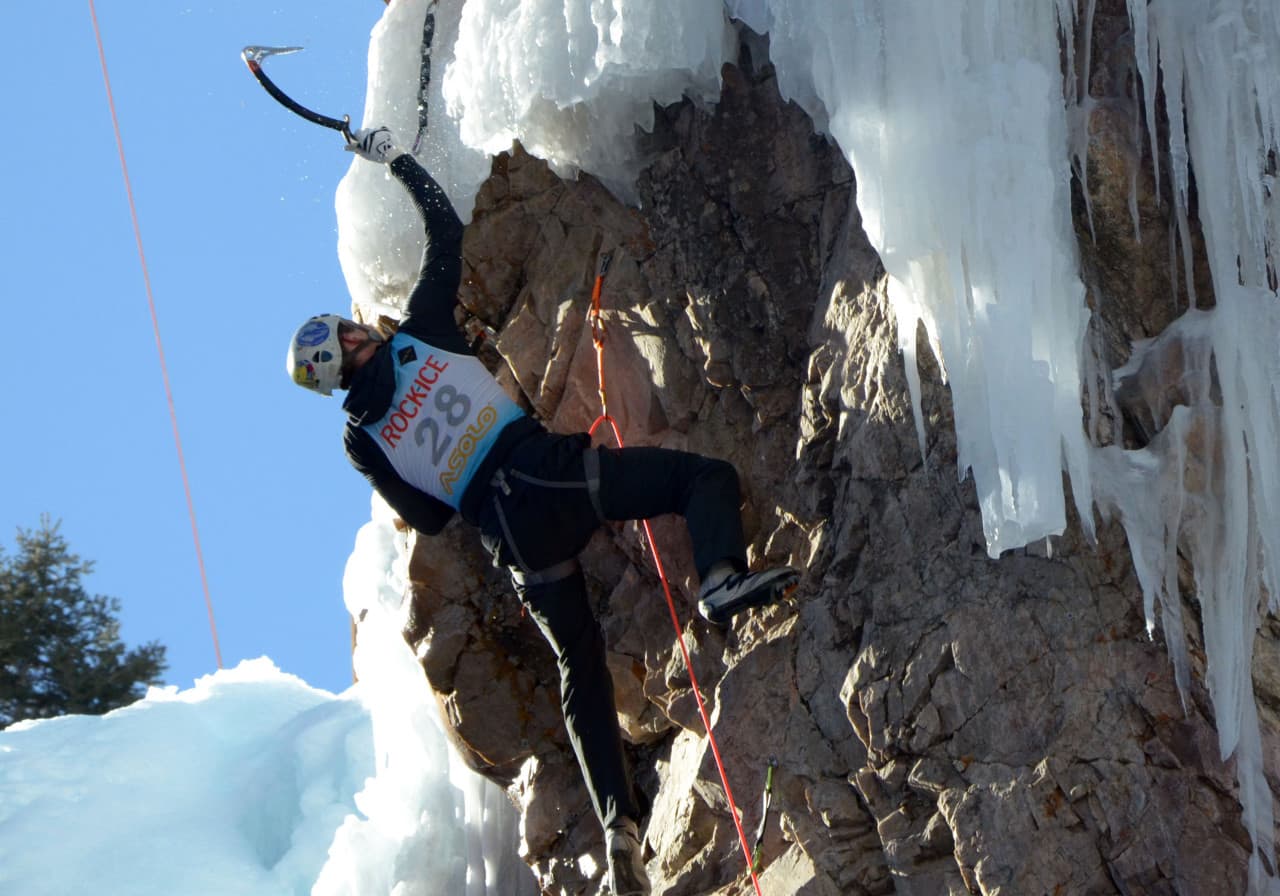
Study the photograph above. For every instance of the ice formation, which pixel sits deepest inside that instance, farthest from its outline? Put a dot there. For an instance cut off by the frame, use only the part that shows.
(1220, 65)
(962, 130)
(234, 785)
(251, 782)
(953, 120)
(427, 824)
(572, 81)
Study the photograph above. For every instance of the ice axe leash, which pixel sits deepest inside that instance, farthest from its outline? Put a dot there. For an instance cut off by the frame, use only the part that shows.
(254, 56)
(757, 861)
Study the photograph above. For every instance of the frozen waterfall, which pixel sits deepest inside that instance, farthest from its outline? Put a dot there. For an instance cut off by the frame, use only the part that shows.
(962, 137)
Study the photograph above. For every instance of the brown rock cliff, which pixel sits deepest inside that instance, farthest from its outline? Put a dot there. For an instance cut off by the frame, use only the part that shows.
(943, 722)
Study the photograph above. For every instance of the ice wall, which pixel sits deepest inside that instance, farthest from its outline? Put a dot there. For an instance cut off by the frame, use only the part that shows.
(953, 119)
(234, 785)
(379, 231)
(963, 190)
(250, 782)
(1220, 66)
(962, 134)
(573, 79)
(957, 198)
(409, 818)
(427, 824)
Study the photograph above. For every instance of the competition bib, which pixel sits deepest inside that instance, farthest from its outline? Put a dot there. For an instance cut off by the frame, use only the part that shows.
(446, 414)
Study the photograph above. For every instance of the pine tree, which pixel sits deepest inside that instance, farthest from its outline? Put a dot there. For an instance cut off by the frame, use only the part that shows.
(60, 647)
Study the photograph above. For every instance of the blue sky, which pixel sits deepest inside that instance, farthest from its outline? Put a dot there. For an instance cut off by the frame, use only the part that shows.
(235, 201)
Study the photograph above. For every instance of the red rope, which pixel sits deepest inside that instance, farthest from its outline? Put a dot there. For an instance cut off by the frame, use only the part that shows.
(597, 337)
(155, 326)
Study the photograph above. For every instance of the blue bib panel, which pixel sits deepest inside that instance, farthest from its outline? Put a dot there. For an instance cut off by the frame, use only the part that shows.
(444, 418)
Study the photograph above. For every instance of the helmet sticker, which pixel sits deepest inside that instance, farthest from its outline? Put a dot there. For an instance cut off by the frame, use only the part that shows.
(305, 375)
(313, 332)
(322, 356)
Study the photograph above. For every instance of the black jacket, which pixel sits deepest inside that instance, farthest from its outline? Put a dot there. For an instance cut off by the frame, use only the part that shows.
(429, 317)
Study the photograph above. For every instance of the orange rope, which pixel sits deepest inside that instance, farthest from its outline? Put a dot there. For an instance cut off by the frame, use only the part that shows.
(597, 337)
(155, 325)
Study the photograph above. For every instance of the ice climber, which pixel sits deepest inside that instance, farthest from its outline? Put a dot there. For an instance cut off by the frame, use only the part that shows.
(436, 435)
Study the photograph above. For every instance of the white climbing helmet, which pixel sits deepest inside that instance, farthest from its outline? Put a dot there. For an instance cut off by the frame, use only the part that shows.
(315, 355)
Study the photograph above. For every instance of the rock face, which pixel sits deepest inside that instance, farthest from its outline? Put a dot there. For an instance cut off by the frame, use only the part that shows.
(942, 722)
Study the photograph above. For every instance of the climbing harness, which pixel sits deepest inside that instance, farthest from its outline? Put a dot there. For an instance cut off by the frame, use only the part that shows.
(155, 326)
(598, 339)
(757, 860)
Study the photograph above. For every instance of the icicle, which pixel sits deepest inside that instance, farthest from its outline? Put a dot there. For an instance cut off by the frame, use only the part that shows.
(1079, 102)
(1135, 168)
(1148, 487)
(1086, 34)
(1220, 69)
(953, 119)
(1144, 53)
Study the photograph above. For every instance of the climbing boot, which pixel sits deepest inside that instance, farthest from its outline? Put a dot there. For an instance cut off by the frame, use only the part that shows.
(627, 876)
(723, 597)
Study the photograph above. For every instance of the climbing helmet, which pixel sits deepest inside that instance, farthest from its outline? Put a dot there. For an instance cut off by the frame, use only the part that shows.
(315, 354)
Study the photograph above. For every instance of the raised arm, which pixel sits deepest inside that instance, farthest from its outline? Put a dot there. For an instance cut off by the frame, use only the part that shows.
(429, 312)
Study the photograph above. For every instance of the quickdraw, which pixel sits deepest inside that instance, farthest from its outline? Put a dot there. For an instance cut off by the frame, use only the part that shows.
(757, 860)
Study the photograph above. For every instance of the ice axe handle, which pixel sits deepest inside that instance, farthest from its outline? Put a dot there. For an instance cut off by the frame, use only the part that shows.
(253, 57)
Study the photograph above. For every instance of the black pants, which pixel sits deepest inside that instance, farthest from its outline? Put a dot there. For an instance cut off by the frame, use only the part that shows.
(545, 506)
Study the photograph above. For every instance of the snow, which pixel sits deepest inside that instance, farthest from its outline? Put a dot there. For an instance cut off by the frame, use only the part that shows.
(427, 824)
(573, 80)
(379, 231)
(252, 782)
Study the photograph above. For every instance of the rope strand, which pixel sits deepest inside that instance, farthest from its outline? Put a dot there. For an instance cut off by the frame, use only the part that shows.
(155, 326)
(597, 337)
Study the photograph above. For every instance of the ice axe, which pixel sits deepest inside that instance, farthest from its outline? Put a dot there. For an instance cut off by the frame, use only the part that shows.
(253, 57)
